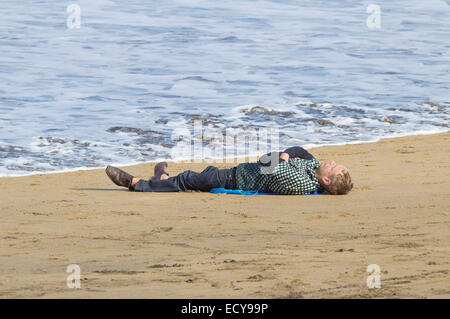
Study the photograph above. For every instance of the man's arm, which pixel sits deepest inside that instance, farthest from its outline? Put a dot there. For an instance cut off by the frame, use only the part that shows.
(292, 152)
(298, 152)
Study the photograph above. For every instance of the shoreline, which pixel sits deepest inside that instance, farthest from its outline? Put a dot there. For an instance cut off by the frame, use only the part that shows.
(307, 147)
(203, 245)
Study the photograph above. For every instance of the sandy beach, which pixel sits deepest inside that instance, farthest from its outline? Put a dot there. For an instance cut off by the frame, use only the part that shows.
(202, 245)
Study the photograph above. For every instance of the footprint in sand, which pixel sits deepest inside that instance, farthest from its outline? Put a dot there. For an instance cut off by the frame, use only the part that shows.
(222, 284)
(162, 229)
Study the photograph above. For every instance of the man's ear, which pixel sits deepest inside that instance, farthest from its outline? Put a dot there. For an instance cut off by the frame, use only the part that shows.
(326, 180)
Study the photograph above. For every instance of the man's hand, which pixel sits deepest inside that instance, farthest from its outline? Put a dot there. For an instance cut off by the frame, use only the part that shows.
(270, 161)
(285, 157)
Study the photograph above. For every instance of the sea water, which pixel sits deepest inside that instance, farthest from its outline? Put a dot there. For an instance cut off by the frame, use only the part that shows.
(113, 82)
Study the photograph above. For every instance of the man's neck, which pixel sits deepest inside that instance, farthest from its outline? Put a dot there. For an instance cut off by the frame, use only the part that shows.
(317, 176)
(315, 172)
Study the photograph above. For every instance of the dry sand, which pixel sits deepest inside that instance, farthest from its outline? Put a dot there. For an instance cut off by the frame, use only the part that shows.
(202, 245)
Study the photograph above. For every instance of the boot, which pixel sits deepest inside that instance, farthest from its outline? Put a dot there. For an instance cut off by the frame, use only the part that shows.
(119, 177)
(160, 169)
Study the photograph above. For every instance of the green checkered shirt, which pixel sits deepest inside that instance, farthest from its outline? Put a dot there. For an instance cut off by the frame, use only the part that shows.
(294, 178)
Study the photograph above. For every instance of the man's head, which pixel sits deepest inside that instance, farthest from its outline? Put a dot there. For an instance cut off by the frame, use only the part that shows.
(334, 178)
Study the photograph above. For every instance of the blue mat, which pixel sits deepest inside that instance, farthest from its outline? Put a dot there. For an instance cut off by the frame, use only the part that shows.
(242, 192)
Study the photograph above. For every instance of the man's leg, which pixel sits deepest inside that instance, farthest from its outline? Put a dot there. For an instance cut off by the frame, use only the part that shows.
(122, 178)
(167, 185)
(211, 177)
(188, 180)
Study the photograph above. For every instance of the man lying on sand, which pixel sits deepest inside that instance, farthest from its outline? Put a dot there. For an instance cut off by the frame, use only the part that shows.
(295, 172)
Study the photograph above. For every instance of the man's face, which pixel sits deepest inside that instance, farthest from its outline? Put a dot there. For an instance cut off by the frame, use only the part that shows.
(328, 169)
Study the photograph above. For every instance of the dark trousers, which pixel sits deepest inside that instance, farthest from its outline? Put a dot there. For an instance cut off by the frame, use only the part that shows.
(211, 177)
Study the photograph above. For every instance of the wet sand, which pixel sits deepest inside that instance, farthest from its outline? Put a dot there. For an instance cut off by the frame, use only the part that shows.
(202, 245)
